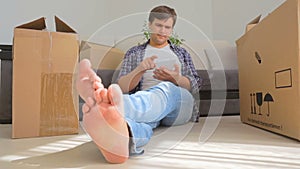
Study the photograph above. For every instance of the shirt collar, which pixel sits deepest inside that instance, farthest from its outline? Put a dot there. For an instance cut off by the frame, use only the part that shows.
(170, 43)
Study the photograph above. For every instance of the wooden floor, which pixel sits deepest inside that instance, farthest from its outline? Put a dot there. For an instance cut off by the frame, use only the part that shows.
(214, 142)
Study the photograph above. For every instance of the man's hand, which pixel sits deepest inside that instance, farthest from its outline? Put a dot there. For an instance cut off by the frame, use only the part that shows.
(147, 64)
(132, 79)
(173, 76)
(165, 74)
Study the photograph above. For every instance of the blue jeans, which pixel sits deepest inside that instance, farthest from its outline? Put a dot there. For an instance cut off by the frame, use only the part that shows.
(163, 104)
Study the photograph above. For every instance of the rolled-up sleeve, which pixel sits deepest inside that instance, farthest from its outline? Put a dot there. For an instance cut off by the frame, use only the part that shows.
(129, 62)
(188, 70)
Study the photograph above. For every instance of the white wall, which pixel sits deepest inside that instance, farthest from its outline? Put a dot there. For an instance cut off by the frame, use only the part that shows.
(231, 16)
(86, 17)
(217, 19)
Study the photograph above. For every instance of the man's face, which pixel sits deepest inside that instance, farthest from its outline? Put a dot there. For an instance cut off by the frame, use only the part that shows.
(161, 30)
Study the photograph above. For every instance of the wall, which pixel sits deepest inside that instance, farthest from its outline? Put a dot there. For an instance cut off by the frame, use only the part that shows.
(87, 17)
(231, 16)
(214, 19)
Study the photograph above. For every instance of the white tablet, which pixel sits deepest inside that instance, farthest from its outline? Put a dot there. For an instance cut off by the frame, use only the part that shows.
(168, 63)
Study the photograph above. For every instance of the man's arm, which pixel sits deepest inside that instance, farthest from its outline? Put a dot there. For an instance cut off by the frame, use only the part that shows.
(183, 82)
(189, 71)
(131, 80)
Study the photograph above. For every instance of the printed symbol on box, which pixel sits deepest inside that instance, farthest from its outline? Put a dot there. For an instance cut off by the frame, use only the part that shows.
(258, 58)
(283, 78)
(252, 103)
(268, 98)
(258, 99)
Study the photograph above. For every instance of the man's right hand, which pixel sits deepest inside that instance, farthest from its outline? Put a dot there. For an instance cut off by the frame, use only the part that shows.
(147, 64)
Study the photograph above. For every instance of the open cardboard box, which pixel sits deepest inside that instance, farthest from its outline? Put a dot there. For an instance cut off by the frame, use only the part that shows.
(43, 99)
(101, 56)
(268, 59)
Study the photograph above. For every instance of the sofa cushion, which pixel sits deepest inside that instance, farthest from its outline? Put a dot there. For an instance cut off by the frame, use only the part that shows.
(222, 56)
(219, 79)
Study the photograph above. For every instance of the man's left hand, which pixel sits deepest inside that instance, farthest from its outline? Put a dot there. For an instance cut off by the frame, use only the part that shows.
(164, 74)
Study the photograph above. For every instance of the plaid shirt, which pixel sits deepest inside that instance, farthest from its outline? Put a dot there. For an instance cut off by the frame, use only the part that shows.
(135, 55)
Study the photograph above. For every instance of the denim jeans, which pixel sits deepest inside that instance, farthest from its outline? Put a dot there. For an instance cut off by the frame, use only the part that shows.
(164, 104)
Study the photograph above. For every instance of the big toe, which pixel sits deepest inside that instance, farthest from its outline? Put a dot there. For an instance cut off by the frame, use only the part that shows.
(116, 96)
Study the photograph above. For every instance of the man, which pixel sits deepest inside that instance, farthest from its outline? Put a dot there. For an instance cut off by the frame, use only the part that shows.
(121, 124)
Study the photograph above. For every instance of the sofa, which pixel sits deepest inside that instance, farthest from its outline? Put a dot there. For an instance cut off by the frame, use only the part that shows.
(215, 62)
(5, 84)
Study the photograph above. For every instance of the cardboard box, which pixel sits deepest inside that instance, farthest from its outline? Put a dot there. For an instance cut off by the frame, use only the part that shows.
(102, 57)
(268, 58)
(44, 102)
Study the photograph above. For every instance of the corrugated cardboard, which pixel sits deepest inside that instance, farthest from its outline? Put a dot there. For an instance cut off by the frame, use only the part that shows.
(102, 57)
(268, 58)
(44, 62)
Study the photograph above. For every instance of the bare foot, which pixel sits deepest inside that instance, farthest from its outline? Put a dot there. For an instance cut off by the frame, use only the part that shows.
(103, 115)
(86, 79)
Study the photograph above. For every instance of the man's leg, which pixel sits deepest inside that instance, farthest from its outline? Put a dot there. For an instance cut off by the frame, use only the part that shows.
(145, 110)
(154, 104)
(183, 112)
(103, 114)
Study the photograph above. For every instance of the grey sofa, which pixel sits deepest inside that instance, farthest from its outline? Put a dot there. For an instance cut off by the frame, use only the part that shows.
(211, 91)
(5, 84)
(220, 90)
(215, 62)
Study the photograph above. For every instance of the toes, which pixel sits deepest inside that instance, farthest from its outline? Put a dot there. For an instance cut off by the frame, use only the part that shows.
(101, 96)
(90, 102)
(85, 108)
(115, 94)
(86, 72)
(98, 96)
(84, 67)
(85, 79)
(97, 85)
(97, 79)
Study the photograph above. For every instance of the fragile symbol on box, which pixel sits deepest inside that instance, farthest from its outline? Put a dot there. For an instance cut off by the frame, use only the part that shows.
(257, 98)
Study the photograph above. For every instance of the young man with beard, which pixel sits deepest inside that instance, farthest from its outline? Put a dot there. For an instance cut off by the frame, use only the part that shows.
(155, 87)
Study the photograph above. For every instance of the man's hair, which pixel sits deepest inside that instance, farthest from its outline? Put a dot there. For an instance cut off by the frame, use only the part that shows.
(161, 13)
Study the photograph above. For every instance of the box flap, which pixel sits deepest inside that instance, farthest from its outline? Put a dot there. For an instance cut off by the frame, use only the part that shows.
(38, 24)
(249, 26)
(253, 23)
(102, 56)
(61, 26)
(84, 45)
(255, 20)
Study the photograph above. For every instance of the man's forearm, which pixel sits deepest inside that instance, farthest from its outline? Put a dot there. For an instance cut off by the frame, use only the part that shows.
(130, 81)
(183, 82)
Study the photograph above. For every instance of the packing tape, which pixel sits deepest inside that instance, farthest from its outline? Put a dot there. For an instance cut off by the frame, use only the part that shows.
(48, 57)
